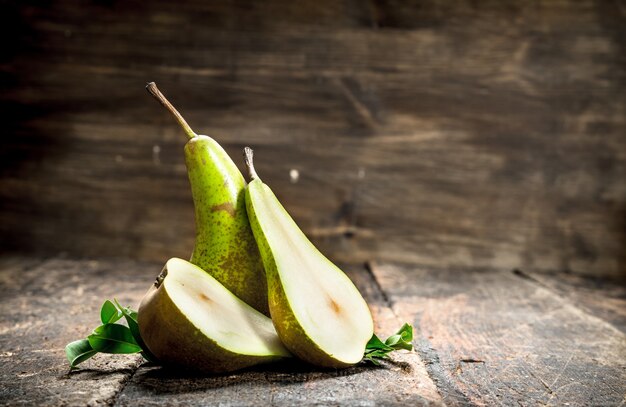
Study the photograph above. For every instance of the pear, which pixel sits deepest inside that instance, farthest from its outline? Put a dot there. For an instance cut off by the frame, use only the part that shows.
(189, 319)
(225, 246)
(319, 314)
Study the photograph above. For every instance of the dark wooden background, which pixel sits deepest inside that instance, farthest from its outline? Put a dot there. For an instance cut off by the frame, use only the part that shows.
(449, 134)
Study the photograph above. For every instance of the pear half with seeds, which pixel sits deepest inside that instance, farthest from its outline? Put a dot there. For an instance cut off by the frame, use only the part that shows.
(318, 313)
(189, 319)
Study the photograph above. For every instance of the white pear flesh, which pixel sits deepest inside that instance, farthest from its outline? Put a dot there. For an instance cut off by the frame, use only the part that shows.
(192, 320)
(323, 300)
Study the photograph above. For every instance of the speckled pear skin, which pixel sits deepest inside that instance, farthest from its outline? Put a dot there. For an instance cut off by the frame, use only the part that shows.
(175, 341)
(225, 246)
(287, 326)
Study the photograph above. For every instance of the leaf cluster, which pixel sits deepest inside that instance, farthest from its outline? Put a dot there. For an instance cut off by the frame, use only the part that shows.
(111, 336)
(376, 350)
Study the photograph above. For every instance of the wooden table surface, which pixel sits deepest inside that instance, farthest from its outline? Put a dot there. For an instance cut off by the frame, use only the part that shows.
(482, 337)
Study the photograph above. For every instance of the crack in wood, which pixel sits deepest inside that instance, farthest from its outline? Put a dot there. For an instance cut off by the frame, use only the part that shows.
(449, 393)
(113, 400)
(470, 360)
(369, 267)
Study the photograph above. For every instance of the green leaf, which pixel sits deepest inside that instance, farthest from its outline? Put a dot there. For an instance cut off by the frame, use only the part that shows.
(131, 319)
(377, 349)
(406, 332)
(109, 313)
(393, 340)
(406, 337)
(113, 338)
(78, 352)
(376, 343)
(403, 345)
(378, 354)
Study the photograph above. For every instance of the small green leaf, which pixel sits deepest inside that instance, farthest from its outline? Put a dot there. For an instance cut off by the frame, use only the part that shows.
(109, 313)
(113, 338)
(403, 345)
(79, 351)
(402, 339)
(378, 354)
(377, 349)
(376, 343)
(393, 340)
(131, 320)
(406, 332)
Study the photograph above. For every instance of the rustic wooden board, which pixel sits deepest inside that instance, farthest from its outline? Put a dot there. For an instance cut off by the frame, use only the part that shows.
(451, 134)
(482, 338)
(47, 304)
(604, 298)
(494, 338)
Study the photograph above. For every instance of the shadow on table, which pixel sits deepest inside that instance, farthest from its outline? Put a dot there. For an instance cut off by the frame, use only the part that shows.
(169, 380)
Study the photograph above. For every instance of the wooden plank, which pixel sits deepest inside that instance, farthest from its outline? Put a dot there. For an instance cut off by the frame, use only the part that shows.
(45, 305)
(601, 297)
(403, 382)
(493, 338)
(456, 134)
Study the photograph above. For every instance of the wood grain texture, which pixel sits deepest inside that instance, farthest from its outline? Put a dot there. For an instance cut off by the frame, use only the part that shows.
(604, 298)
(45, 305)
(494, 338)
(445, 133)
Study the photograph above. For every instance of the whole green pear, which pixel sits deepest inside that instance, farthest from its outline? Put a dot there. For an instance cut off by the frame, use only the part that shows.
(225, 246)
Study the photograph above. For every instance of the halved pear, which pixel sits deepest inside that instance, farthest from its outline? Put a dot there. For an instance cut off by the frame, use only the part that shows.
(318, 313)
(189, 319)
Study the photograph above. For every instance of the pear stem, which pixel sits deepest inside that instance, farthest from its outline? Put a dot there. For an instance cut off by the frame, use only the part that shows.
(154, 91)
(161, 277)
(248, 156)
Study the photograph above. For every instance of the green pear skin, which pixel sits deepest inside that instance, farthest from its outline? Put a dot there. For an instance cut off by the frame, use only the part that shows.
(175, 341)
(225, 246)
